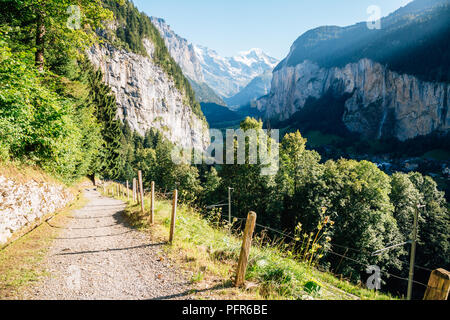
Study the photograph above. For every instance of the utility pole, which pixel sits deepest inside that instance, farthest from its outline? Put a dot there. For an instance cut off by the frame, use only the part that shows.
(229, 204)
(413, 252)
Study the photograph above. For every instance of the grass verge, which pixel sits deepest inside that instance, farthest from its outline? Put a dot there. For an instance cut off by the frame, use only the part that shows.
(210, 252)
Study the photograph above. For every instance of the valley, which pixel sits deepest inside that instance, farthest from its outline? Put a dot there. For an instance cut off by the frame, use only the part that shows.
(98, 114)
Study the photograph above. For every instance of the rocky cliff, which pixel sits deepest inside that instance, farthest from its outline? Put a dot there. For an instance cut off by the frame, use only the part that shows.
(258, 87)
(147, 97)
(185, 56)
(378, 102)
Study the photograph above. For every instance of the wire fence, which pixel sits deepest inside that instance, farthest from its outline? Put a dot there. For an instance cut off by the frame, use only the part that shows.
(343, 256)
(291, 236)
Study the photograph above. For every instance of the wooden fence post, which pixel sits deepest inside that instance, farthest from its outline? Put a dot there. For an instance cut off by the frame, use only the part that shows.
(128, 191)
(438, 285)
(141, 191)
(174, 215)
(152, 205)
(245, 249)
(134, 190)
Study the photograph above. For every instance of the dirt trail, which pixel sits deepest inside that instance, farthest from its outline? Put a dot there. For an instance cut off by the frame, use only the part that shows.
(96, 256)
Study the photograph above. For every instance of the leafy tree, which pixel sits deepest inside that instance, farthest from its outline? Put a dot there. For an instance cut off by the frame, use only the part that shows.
(405, 197)
(434, 224)
(251, 188)
(360, 206)
(299, 168)
(58, 29)
(40, 124)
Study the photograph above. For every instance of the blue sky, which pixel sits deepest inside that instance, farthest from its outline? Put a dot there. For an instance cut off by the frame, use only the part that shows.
(231, 26)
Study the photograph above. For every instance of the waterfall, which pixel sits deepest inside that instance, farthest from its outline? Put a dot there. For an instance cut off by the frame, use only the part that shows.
(383, 118)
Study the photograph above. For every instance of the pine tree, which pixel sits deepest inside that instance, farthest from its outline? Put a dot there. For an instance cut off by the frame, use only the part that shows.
(111, 160)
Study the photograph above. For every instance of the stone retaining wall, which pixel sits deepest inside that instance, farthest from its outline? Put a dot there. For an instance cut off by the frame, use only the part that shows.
(21, 204)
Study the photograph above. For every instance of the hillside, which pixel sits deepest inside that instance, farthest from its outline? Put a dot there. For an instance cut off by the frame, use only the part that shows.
(373, 77)
(413, 33)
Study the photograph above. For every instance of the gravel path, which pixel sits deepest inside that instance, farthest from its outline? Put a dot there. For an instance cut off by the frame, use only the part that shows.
(96, 256)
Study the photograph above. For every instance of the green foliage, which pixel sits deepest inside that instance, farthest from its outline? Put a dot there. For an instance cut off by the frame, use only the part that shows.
(152, 155)
(369, 209)
(103, 102)
(312, 287)
(39, 124)
(50, 29)
(133, 27)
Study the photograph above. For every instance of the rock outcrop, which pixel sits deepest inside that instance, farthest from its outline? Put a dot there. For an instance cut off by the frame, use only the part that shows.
(147, 97)
(22, 204)
(380, 104)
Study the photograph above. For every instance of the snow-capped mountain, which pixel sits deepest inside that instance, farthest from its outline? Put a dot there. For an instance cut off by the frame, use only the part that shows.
(228, 76)
(184, 54)
(211, 74)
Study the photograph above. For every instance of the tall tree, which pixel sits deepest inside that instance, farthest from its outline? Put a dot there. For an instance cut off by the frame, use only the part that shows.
(111, 160)
(59, 27)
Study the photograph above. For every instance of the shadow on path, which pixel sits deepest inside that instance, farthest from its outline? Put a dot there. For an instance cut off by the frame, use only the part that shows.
(226, 285)
(112, 250)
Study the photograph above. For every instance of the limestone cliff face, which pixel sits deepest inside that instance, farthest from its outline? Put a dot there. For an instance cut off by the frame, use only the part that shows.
(181, 50)
(147, 97)
(380, 103)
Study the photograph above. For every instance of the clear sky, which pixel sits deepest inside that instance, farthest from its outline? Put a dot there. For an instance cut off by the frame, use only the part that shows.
(230, 26)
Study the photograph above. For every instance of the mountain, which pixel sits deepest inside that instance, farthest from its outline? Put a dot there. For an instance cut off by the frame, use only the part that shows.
(205, 94)
(387, 83)
(182, 51)
(185, 56)
(213, 76)
(228, 76)
(258, 87)
(150, 88)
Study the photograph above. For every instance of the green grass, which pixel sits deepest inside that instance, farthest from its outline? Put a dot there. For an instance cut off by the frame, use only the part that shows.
(210, 250)
(437, 154)
(319, 139)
